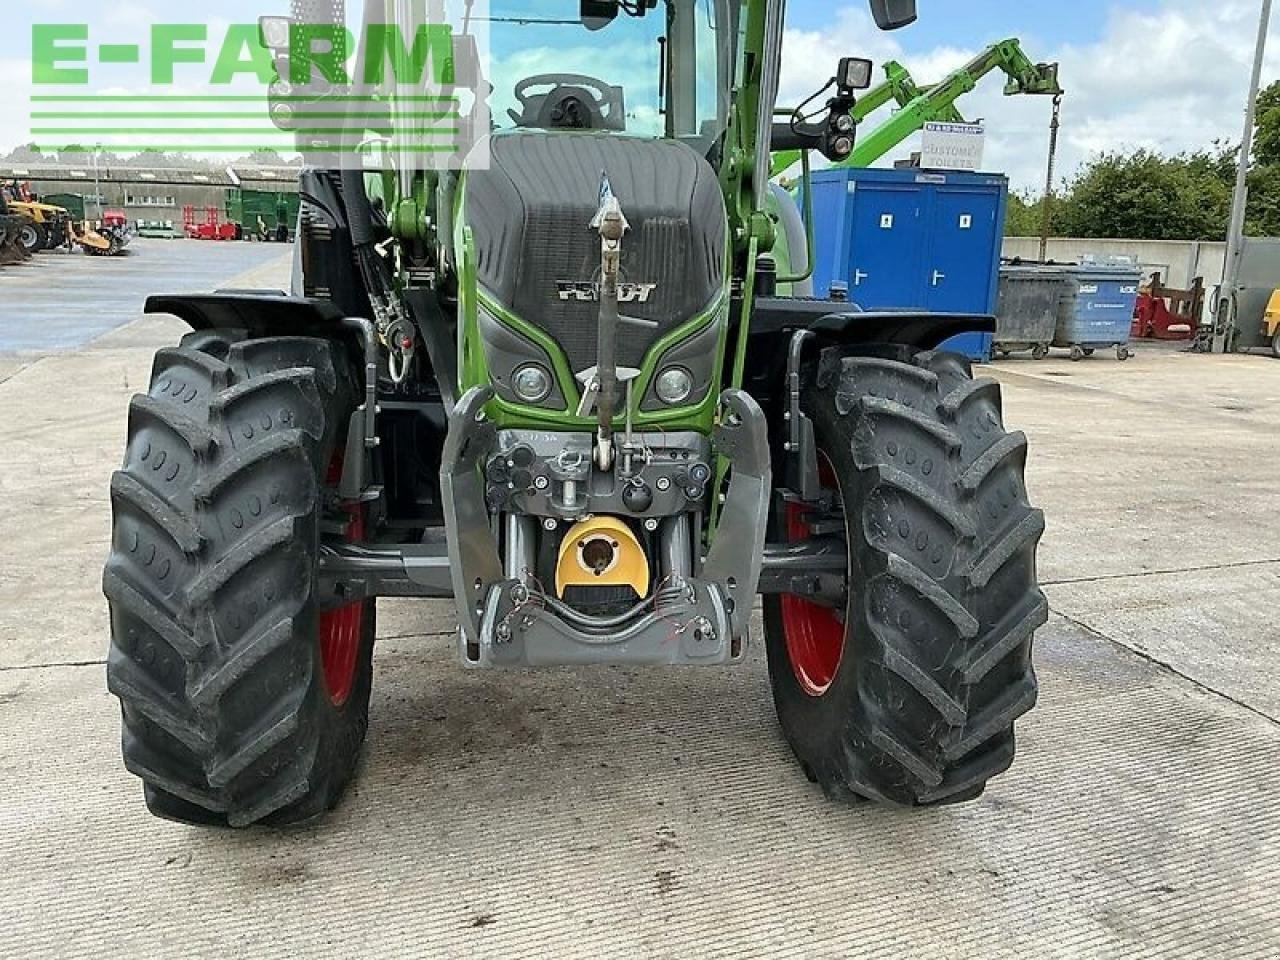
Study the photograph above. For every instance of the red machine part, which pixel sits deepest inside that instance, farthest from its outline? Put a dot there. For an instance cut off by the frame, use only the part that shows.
(211, 228)
(1163, 313)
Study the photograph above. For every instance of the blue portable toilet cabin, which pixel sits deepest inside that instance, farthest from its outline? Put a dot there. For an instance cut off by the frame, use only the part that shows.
(912, 240)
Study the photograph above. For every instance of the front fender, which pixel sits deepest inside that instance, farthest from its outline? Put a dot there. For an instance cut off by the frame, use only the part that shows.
(844, 323)
(261, 313)
(923, 331)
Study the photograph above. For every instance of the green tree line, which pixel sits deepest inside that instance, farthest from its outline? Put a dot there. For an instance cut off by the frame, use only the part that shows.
(1145, 195)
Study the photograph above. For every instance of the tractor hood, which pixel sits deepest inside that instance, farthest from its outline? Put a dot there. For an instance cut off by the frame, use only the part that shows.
(538, 258)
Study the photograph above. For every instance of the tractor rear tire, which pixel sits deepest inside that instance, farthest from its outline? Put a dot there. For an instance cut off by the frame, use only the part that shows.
(242, 701)
(907, 696)
(33, 237)
(1275, 345)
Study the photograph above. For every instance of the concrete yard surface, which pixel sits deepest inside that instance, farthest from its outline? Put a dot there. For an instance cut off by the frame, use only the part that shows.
(629, 813)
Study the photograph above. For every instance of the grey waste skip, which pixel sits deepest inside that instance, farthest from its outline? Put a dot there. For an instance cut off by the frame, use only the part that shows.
(1027, 310)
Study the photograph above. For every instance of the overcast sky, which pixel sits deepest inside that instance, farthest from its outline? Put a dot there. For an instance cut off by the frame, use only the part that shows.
(1166, 74)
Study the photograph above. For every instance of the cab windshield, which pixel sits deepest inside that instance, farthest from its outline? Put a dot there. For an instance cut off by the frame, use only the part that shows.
(664, 73)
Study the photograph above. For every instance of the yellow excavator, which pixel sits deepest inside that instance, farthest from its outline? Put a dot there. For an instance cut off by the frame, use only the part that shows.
(11, 227)
(49, 227)
(1271, 325)
(46, 227)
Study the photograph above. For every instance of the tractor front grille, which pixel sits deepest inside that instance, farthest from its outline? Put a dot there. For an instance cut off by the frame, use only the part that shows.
(530, 215)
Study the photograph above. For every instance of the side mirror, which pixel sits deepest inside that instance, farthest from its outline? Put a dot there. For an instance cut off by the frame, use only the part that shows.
(893, 14)
(598, 14)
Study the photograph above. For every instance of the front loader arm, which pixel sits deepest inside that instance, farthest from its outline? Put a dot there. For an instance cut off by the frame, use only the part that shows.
(920, 105)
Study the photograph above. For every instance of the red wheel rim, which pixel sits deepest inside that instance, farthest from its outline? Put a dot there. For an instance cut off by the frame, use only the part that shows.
(814, 635)
(342, 629)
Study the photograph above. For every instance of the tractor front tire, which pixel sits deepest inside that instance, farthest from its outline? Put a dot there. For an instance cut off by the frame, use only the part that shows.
(907, 695)
(33, 237)
(243, 702)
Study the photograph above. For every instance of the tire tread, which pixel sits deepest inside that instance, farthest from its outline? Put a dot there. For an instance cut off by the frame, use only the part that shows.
(244, 732)
(943, 653)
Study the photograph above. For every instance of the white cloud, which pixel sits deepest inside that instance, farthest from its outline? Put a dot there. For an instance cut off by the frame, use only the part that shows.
(15, 80)
(1169, 79)
(129, 16)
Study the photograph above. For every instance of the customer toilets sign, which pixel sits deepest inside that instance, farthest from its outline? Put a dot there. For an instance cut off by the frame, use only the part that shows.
(953, 146)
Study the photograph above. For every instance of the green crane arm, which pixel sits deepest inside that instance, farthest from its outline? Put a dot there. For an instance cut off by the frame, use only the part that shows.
(938, 103)
(921, 105)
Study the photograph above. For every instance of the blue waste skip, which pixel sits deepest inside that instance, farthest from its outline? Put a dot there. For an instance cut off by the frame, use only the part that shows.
(1096, 309)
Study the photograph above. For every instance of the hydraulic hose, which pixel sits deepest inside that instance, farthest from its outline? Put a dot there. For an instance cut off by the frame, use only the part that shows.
(359, 209)
(393, 325)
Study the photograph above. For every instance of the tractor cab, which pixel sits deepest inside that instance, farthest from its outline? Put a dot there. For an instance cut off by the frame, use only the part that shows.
(638, 69)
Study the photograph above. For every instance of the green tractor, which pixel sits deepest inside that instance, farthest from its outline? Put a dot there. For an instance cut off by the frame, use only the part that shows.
(562, 389)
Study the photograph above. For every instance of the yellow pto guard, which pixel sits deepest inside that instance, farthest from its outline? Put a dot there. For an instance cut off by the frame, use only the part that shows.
(602, 552)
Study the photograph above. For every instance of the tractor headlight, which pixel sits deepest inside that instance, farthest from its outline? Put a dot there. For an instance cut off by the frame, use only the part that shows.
(675, 385)
(854, 73)
(275, 32)
(532, 383)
